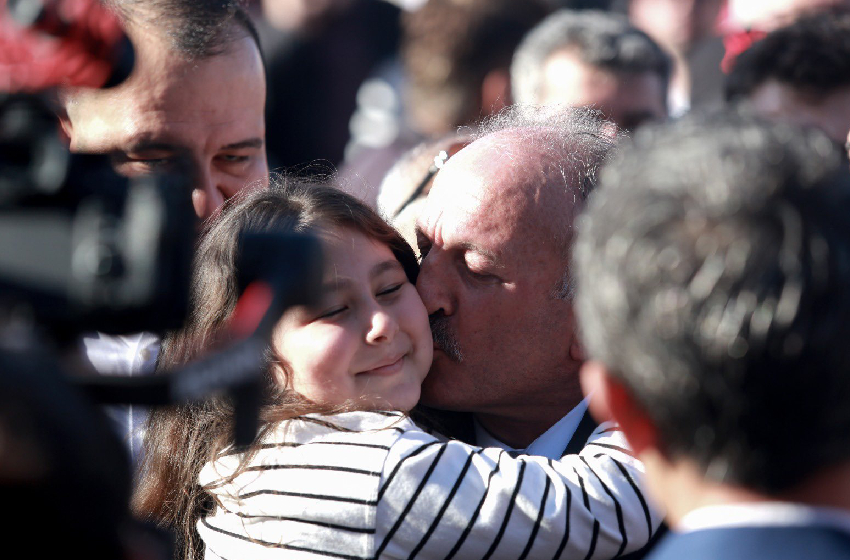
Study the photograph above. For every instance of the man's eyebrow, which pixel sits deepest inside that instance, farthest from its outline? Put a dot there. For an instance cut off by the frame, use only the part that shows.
(494, 259)
(249, 143)
(142, 145)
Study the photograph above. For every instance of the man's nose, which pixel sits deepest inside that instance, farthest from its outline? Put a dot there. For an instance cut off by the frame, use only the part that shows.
(209, 194)
(433, 284)
(382, 327)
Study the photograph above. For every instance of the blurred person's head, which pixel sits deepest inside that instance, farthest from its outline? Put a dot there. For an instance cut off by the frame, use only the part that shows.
(745, 22)
(495, 235)
(300, 15)
(194, 100)
(800, 74)
(676, 24)
(408, 182)
(457, 55)
(712, 271)
(767, 15)
(593, 59)
(60, 460)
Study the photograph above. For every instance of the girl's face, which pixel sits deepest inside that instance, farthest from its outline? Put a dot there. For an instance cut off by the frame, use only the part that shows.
(368, 341)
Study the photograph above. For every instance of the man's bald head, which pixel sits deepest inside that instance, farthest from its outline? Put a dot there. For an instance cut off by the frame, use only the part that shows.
(494, 237)
(550, 156)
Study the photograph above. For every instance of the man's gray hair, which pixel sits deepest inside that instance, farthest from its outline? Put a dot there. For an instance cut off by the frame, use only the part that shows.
(410, 170)
(600, 39)
(572, 143)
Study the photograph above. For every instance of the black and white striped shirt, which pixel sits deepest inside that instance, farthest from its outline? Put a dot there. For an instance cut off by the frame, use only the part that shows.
(373, 485)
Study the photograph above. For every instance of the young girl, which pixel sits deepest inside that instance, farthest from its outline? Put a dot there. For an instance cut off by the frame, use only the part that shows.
(338, 471)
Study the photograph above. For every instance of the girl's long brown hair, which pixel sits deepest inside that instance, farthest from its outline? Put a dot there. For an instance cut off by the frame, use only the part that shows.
(180, 440)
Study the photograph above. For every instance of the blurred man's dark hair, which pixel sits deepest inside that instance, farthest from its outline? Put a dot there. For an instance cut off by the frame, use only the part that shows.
(713, 271)
(812, 55)
(457, 54)
(799, 73)
(198, 28)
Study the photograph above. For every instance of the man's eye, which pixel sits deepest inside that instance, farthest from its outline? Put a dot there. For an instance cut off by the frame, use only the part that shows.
(233, 158)
(132, 165)
(156, 163)
(483, 277)
(333, 312)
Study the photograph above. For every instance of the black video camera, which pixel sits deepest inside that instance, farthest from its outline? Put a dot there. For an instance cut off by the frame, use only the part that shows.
(84, 249)
(81, 247)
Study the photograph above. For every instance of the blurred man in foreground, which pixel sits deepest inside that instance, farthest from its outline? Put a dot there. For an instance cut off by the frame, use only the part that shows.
(712, 296)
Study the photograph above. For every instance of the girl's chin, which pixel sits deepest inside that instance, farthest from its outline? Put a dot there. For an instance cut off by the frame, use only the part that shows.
(402, 401)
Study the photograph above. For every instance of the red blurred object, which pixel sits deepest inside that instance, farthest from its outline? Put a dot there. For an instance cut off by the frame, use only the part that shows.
(69, 43)
(250, 309)
(737, 42)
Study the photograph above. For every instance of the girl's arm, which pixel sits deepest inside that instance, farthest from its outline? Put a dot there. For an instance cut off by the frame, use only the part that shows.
(452, 500)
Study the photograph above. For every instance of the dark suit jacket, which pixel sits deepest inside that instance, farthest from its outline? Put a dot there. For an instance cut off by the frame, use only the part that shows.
(751, 543)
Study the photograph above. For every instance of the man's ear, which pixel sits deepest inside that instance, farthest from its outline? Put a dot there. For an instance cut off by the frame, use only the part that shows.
(610, 400)
(577, 353)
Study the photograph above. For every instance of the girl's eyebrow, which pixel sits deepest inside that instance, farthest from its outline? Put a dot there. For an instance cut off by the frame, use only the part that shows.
(389, 264)
(340, 283)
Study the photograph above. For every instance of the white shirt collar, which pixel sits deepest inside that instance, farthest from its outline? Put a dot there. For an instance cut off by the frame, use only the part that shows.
(763, 514)
(550, 444)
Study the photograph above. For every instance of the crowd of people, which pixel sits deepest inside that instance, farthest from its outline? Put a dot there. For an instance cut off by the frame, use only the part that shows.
(586, 298)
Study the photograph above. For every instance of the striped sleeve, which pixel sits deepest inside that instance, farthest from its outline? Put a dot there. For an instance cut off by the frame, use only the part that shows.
(310, 491)
(451, 500)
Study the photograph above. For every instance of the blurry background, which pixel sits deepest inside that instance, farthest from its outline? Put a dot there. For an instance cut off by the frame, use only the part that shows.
(353, 84)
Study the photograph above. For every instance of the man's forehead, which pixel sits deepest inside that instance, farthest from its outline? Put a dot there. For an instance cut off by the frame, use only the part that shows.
(487, 191)
(471, 182)
(506, 168)
(177, 102)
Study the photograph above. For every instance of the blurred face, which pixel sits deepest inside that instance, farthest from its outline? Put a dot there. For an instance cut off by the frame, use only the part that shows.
(830, 113)
(767, 15)
(628, 99)
(491, 262)
(204, 115)
(368, 340)
(676, 23)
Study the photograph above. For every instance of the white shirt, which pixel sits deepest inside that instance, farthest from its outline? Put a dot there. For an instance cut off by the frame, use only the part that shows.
(550, 443)
(763, 514)
(124, 355)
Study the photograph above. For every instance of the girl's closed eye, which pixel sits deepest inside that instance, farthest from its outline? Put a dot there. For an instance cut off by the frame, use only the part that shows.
(392, 289)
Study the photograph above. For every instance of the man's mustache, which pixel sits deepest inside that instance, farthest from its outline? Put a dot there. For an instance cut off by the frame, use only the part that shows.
(444, 336)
